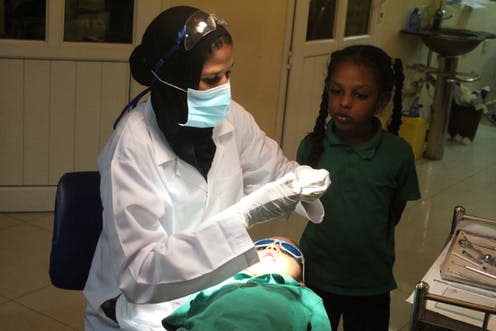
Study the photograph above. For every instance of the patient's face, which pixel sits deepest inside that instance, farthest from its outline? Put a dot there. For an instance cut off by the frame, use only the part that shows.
(275, 260)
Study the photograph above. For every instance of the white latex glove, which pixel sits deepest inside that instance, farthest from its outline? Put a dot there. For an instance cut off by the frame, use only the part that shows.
(279, 198)
(312, 182)
(271, 201)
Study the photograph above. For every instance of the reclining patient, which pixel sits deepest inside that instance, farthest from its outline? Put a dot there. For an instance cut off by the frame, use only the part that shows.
(269, 295)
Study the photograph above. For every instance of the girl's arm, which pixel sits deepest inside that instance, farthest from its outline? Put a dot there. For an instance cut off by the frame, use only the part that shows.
(397, 209)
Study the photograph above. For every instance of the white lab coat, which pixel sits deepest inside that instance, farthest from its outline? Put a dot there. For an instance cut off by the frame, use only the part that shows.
(155, 246)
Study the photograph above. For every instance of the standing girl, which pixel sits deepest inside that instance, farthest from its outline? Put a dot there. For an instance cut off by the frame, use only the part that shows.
(350, 255)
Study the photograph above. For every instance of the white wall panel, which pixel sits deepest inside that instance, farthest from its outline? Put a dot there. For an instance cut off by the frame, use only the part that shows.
(11, 105)
(115, 94)
(300, 118)
(87, 125)
(55, 117)
(62, 118)
(36, 121)
(27, 198)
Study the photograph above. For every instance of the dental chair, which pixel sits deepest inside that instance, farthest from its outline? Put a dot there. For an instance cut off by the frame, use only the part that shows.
(76, 228)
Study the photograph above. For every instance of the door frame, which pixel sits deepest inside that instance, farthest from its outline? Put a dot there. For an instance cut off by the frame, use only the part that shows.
(298, 49)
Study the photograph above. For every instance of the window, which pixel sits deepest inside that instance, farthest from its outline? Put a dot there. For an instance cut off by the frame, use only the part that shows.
(22, 19)
(357, 18)
(108, 21)
(320, 19)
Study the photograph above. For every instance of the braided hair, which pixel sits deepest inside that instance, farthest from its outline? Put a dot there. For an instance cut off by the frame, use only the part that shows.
(388, 75)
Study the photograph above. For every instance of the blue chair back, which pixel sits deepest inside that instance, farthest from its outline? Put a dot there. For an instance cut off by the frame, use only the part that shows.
(76, 228)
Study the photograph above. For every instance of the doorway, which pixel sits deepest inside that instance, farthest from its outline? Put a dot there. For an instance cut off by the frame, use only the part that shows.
(319, 28)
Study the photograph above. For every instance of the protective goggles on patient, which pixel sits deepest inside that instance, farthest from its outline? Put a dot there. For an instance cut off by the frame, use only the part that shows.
(285, 247)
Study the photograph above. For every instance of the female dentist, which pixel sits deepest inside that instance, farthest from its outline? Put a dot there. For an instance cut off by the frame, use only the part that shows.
(183, 177)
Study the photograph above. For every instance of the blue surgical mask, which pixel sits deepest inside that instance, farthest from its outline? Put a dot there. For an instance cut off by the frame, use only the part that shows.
(206, 108)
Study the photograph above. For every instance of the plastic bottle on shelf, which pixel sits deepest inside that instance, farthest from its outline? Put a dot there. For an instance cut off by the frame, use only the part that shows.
(414, 21)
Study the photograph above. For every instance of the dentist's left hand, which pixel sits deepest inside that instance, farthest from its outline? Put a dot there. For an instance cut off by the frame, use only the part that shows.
(313, 182)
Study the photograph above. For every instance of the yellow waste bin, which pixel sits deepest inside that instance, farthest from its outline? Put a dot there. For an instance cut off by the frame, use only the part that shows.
(413, 130)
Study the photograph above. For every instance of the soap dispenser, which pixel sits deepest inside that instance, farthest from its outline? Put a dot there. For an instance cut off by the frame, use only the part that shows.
(414, 21)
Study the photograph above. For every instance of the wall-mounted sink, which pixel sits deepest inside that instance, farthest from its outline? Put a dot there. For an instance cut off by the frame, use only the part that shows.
(452, 42)
(449, 43)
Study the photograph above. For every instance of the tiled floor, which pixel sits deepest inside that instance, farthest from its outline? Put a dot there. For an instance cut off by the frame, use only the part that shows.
(466, 176)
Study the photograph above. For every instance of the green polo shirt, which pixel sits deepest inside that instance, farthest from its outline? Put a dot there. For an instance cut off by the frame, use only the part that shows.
(352, 251)
(263, 303)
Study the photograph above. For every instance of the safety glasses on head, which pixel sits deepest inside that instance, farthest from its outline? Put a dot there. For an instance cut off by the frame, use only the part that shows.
(199, 25)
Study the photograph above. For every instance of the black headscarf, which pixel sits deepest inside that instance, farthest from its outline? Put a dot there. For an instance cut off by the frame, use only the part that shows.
(183, 69)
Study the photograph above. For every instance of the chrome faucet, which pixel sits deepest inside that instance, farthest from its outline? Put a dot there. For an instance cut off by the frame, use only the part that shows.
(438, 16)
